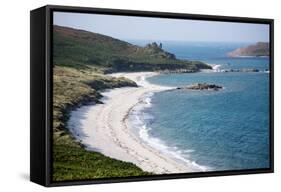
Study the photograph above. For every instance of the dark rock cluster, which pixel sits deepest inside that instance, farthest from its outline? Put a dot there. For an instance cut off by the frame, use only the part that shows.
(202, 86)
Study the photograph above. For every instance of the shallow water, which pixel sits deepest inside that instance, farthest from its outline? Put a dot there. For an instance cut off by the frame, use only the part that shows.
(212, 130)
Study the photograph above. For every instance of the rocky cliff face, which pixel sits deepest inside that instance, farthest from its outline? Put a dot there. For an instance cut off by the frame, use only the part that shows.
(156, 50)
(257, 50)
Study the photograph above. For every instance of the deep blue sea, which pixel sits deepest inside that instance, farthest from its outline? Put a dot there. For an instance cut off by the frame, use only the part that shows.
(212, 130)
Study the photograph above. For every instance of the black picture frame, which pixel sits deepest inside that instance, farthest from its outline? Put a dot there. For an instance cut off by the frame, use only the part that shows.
(41, 93)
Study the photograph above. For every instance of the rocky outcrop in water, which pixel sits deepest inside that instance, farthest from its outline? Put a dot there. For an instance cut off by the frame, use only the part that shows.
(240, 70)
(178, 71)
(202, 86)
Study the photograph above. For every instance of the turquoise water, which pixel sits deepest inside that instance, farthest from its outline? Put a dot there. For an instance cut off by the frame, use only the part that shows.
(211, 130)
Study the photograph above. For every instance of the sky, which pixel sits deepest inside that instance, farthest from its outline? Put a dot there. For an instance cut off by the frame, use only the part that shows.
(163, 29)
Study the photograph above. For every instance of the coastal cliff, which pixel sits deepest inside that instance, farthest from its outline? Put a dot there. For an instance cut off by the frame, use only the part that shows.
(83, 49)
(257, 50)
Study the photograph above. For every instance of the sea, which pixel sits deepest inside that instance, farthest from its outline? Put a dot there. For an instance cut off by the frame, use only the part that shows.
(209, 130)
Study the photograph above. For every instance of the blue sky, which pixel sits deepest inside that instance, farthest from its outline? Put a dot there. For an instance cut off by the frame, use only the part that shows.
(162, 29)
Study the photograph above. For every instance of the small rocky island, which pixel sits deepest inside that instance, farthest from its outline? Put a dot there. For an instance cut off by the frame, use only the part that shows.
(202, 86)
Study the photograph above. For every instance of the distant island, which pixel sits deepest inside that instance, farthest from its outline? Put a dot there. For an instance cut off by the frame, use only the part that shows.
(257, 50)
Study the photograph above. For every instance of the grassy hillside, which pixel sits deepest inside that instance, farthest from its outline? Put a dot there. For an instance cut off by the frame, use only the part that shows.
(81, 49)
(80, 60)
(71, 88)
(72, 162)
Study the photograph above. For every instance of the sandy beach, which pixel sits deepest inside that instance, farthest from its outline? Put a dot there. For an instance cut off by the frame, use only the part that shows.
(105, 128)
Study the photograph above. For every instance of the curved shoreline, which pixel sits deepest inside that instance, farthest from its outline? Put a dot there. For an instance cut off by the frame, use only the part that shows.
(105, 128)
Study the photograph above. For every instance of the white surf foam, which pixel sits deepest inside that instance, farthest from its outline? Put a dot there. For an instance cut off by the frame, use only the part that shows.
(141, 121)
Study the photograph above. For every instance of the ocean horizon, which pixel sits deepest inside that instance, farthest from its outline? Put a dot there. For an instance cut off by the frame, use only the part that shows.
(209, 130)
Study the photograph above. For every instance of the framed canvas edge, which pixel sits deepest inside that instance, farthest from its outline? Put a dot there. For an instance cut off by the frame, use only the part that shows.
(51, 8)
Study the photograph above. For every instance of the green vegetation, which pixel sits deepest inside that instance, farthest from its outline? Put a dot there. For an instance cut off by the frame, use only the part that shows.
(73, 87)
(81, 49)
(75, 163)
(80, 60)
